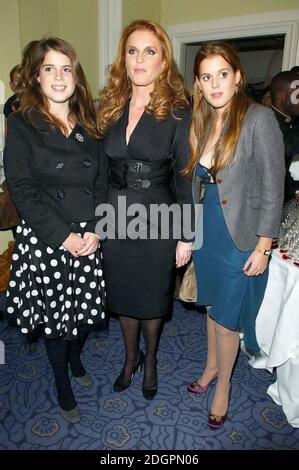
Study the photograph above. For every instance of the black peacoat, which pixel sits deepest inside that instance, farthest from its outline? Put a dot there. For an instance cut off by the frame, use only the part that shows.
(53, 180)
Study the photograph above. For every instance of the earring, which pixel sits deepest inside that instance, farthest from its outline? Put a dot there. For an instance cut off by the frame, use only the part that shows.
(237, 88)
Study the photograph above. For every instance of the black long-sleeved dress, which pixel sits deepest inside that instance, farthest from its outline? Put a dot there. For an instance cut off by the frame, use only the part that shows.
(140, 272)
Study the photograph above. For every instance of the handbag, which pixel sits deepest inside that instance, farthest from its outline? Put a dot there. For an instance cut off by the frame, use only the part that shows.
(5, 262)
(8, 213)
(188, 289)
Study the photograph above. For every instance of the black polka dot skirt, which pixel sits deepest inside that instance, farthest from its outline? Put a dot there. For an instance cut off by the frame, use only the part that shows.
(52, 288)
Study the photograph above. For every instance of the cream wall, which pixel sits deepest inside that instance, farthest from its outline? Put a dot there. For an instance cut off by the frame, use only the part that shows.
(10, 44)
(78, 24)
(142, 9)
(37, 19)
(171, 12)
(22, 21)
(188, 11)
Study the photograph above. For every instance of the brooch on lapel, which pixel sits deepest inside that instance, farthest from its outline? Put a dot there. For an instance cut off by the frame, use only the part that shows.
(79, 137)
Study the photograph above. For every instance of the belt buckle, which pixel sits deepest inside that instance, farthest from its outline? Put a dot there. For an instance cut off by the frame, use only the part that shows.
(138, 167)
(137, 184)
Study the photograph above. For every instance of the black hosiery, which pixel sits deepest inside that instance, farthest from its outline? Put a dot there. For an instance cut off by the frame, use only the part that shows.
(57, 351)
(151, 330)
(74, 359)
(131, 333)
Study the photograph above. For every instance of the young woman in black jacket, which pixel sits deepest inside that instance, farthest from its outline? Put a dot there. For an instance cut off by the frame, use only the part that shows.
(53, 171)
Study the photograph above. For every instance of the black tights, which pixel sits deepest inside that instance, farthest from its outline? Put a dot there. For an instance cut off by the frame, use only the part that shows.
(61, 352)
(151, 334)
(74, 351)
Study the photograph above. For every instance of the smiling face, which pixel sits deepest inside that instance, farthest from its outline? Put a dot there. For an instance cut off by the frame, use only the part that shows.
(144, 58)
(218, 82)
(56, 78)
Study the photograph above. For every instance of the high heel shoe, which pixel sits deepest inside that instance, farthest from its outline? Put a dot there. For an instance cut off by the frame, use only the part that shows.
(195, 387)
(150, 392)
(217, 421)
(122, 384)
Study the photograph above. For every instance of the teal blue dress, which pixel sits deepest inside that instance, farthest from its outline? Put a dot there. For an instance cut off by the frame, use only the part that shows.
(234, 297)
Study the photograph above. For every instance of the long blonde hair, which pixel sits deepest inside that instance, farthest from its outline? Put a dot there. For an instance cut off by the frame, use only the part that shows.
(204, 115)
(169, 91)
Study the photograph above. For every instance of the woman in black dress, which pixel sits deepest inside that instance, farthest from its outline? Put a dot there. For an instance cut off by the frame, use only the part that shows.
(52, 169)
(144, 119)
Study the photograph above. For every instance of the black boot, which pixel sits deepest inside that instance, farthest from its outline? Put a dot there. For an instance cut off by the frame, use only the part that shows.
(57, 351)
(74, 350)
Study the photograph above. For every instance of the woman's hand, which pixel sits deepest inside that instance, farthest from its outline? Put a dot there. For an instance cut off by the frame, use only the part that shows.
(183, 253)
(256, 264)
(91, 244)
(73, 243)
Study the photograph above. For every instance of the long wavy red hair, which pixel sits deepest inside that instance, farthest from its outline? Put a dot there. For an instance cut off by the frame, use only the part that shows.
(204, 115)
(169, 90)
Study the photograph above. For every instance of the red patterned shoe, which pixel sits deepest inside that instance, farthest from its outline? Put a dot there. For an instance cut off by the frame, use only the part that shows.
(216, 421)
(195, 387)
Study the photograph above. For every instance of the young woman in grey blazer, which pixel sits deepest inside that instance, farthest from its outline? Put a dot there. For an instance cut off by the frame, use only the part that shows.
(237, 162)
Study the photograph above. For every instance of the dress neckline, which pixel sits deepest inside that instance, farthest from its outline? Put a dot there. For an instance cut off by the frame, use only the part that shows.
(127, 142)
(211, 177)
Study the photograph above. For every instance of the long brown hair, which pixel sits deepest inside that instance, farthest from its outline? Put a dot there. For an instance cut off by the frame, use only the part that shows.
(204, 115)
(169, 91)
(32, 97)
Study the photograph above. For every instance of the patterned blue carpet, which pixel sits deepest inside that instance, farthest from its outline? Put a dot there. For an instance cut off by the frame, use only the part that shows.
(174, 420)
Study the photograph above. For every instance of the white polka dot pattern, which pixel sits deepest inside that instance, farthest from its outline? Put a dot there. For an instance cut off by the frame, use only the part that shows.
(50, 287)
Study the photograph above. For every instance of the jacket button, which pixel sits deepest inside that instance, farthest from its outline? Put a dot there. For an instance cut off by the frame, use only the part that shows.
(86, 163)
(59, 165)
(219, 180)
(60, 194)
(223, 202)
(87, 190)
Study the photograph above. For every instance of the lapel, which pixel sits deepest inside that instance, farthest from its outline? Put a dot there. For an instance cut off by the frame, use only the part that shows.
(78, 140)
(124, 120)
(122, 129)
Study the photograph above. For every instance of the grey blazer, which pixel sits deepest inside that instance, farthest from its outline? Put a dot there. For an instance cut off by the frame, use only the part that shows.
(251, 187)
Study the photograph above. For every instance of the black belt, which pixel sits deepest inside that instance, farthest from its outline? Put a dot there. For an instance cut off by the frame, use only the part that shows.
(134, 174)
(138, 167)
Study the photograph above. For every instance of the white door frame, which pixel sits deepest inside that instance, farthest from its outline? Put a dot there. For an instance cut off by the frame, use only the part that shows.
(262, 24)
(110, 27)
